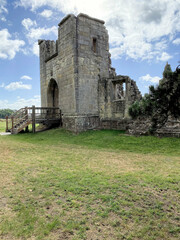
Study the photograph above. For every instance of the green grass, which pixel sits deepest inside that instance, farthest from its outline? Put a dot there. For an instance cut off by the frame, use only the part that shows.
(95, 185)
(107, 139)
(2, 125)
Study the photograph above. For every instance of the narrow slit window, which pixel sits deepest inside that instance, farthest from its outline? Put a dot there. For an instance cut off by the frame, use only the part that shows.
(94, 45)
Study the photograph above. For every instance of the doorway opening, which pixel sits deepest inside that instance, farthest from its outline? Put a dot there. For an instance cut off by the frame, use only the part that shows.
(53, 94)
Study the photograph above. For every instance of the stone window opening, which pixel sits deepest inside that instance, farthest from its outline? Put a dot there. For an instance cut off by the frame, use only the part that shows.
(120, 91)
(124, 89)
(94, 45)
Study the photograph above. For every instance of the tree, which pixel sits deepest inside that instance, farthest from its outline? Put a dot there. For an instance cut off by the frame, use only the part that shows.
(5, 112)
(162, 101)
(167, 70)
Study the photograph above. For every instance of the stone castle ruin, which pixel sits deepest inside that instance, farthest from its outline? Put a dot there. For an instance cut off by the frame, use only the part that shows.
(76, 76)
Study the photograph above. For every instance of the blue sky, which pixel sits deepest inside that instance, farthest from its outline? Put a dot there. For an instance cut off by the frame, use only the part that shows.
(143, 36)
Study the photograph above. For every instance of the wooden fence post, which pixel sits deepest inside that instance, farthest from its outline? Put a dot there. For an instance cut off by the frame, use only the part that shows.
(26, 114)
(6, 123)
(33, 119)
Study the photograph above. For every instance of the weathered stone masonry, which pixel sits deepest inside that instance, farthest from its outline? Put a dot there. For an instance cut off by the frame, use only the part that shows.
(76, 75)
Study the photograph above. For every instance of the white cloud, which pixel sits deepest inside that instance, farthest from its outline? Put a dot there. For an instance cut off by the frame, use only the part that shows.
(35, 49)
(20, 103)
(176, 41)
(9, 47)
(27, 23)
(164, 57)
(2, 85)
(17, 85)
(3, 10)
(148, 78)
(33, 33)
(3, 19)
(64, 6)
(161, 45)
(25, 77)
(133, 47)
(46, 13)
(135, 27)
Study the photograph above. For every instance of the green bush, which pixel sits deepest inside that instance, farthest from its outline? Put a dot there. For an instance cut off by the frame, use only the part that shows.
(141, 108)
(135, 109)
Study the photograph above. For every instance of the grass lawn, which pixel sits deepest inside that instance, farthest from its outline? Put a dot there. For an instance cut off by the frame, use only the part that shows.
(2, 125)
(95, 185)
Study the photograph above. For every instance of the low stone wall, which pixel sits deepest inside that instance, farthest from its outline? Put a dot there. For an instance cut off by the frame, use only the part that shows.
(115, 124)
(83, 123)
(170, 129)
(139, 127)
(80, 123)
(136, 127)
(142, 126)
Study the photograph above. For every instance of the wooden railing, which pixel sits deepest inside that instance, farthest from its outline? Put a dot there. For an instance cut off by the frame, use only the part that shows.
(13, 120)
(31, 115)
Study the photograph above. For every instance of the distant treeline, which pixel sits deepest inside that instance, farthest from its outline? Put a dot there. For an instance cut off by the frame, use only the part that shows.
(5, 112)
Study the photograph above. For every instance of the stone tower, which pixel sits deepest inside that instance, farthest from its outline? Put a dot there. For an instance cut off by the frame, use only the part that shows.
(71, 67)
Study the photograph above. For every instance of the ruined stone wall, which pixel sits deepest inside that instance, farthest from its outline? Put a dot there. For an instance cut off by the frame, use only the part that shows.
(115, 96)
(142, 126)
